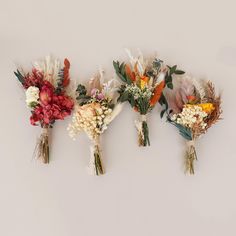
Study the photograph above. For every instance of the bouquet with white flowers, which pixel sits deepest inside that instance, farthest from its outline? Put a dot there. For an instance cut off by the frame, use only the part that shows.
(194, 108)
(95, 109)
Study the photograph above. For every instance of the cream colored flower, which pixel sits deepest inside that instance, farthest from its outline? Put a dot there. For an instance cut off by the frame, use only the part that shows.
(32, 96)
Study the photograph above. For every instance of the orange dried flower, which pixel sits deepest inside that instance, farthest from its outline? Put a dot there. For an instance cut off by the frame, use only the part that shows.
(157, 93)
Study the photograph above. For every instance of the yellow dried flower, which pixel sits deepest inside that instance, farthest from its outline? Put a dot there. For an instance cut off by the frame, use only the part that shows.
(207, 107)
(143, 82)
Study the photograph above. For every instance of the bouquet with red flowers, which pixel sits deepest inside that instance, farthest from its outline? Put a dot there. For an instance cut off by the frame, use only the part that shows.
(46, 97)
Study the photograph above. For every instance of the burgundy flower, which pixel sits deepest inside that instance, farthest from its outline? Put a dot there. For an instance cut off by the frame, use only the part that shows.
(55, 108)
(35, 78)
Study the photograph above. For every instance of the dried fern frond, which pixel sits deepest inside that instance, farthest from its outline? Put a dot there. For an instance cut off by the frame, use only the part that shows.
(216, 101)
(210, 91)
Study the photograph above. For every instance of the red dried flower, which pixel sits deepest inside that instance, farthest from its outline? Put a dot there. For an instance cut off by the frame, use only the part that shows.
(55, 108)
(35, 78)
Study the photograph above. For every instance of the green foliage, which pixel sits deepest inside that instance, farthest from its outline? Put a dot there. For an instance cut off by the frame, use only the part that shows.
(169, 79)
(179, 72)
(82, 97)
(146, 141)
(60, 79)
(169, 83)
(81, 89)
(157, 64)
(163, 102)
(155, 69)
(33, 104)
(142, 104)
(97, 161)
(120, 71)
(19, 76)
(124, 96)
(184, 131)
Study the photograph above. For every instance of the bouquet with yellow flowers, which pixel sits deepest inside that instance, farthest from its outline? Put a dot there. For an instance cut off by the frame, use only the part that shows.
(194, 108)
(143, 85)
(96, 108)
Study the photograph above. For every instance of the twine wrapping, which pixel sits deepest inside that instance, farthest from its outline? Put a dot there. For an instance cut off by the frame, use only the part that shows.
(143, 133)
(95, 163)
(190, 157)
(42, 146)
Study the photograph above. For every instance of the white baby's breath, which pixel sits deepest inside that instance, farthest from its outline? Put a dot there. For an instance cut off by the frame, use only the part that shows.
(189, 116)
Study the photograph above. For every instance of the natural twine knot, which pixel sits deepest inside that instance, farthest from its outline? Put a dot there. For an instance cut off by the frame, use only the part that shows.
(45, 131)
(143, 117)
(190, 143)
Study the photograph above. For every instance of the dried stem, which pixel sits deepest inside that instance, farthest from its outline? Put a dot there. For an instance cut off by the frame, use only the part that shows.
(143, 132)
(216, 101)
(96, 166)
(190, 157)
(42, 146)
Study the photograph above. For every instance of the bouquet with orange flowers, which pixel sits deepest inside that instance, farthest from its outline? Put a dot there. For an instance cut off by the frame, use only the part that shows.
(194, 108)
(143, 85)
(96, 108)
(45, 89)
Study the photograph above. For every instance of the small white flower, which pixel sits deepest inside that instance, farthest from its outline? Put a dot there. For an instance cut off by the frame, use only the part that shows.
(32, 96)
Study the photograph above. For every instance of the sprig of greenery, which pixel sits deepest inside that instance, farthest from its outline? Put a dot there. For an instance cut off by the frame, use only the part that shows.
(142, 104)
(82, 97)
(163, 102)
(169, 83)
(184, 131)
(120, 71)
(60, 79)
(146, 140)
(172, 71)
(19, 76)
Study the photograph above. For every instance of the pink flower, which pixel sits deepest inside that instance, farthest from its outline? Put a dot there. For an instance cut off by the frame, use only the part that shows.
(96, 94)
(100, 96)
(46, 93)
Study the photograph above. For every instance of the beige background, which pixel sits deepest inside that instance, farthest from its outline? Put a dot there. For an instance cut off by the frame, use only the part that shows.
(144, 192)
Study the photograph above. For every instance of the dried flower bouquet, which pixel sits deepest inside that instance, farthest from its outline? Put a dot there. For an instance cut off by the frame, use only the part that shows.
(143, 85)
(46, 97)
(194, 108)
(96, 108)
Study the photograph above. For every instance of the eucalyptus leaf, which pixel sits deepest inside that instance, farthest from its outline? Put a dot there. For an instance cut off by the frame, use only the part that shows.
(162, 113)
(179, 72)
(173, 69)
(170, 85)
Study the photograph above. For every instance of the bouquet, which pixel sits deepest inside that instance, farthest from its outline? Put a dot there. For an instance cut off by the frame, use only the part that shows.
(143, 85)
(194, 108)
(46, 97)
(96, 108)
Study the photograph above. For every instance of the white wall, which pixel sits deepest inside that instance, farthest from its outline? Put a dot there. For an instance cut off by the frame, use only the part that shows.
(144, 191)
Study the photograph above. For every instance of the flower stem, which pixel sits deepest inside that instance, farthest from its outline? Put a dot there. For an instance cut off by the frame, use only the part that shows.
(96, 166)
(42, 146)
(190, 157)
(143, 132)
(97, 161)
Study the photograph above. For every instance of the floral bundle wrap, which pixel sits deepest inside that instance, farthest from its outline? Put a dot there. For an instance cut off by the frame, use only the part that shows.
(194, 108)
(96, 108)
(46, 97)
(143, 85)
